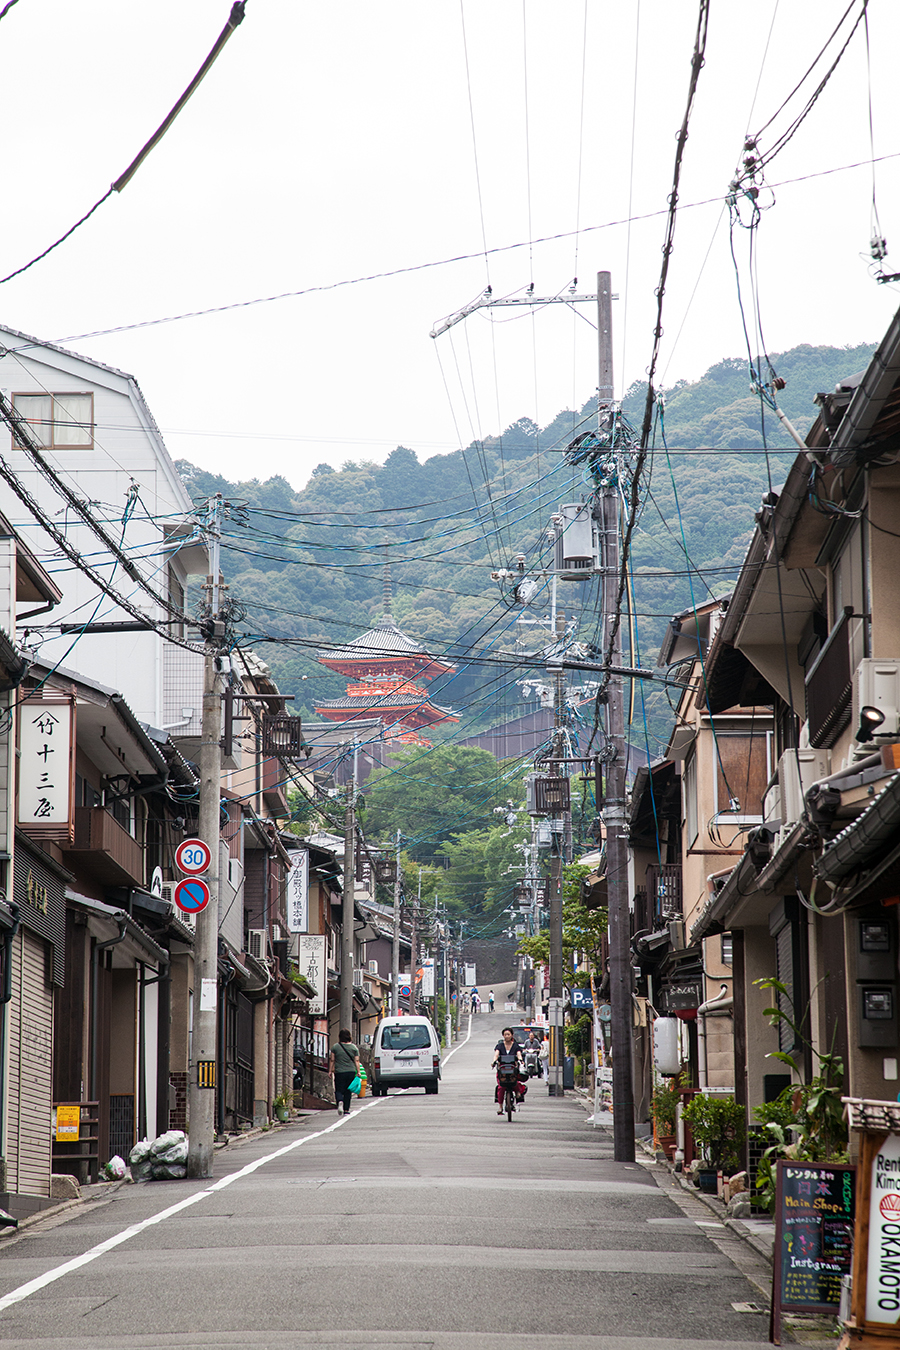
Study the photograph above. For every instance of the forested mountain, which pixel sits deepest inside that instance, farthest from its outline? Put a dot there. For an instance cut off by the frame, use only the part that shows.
(307, 563)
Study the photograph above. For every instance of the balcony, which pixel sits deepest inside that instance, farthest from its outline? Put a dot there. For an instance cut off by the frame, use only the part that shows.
(273, 781)
(829, 686)
(117, 858)
(664, 899)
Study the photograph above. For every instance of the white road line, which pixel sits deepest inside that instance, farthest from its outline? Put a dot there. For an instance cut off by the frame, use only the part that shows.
(51, 1276)
(461, 1044)
(42, 1281)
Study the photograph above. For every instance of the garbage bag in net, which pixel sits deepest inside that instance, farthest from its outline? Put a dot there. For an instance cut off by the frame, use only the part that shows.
(175, 1153)
(169, 1171)
(142, 1171)
(140, 1152)
(166, 1141)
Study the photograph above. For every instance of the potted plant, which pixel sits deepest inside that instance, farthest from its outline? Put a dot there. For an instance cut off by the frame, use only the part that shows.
(664, 1106)
(719, 1128)
(282, 1106)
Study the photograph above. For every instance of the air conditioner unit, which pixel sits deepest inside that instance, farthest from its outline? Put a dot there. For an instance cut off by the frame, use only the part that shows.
(876, 684)
(373, 967)
(258, 943)
(797, 771)
(168, 894)
(577, 543)
(359, 979)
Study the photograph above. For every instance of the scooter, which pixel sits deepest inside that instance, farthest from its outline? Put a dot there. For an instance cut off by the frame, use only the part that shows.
(533, 1063)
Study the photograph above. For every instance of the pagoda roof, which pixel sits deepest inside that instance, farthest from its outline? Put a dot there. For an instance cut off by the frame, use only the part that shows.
(388, 703)
(385, 643)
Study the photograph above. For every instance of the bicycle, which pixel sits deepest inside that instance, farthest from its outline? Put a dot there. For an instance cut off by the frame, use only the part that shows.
(509, 1078)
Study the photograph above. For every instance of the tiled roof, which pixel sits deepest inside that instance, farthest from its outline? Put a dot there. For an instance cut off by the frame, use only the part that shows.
(385, 639)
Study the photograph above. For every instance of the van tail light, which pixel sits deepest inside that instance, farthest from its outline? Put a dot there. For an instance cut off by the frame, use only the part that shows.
(435, 1061)
(377, 1062)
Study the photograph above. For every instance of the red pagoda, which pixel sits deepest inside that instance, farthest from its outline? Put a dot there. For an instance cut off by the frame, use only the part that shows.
(382, 666)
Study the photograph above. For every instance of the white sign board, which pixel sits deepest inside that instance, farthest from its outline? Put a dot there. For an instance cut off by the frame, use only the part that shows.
(311, 963)
(470, 976)
(883, 1279)
(297, 893)
(427, 979)
(45, 739)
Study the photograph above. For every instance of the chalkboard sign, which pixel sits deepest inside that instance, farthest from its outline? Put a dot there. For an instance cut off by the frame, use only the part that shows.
(814, 1210)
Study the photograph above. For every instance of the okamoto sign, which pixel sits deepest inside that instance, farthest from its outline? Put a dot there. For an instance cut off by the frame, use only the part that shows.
(883, 1275)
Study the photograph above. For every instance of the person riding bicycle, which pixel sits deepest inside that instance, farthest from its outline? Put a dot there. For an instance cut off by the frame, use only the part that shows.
(507, 1056)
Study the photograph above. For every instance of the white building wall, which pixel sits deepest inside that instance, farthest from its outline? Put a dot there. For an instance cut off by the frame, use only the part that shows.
(127, 449)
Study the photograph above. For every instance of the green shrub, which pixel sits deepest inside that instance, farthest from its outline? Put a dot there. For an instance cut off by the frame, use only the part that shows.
(719, 1126)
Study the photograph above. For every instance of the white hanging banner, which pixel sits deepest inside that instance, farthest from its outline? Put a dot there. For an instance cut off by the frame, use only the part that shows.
(45, 767)
(297, 893)
(427, 990)
(311, 964)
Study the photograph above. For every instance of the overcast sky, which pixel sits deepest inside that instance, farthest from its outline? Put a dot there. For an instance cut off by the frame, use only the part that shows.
(334, 142)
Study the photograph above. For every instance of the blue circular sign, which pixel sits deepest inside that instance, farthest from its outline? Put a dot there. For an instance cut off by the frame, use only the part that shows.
(192, 895)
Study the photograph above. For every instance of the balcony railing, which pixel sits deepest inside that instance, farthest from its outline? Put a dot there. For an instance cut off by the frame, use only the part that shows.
(664, 891)
(829, 686)
(118, 858)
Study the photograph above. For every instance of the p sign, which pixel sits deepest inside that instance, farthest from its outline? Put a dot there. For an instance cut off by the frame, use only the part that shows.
(193, 857)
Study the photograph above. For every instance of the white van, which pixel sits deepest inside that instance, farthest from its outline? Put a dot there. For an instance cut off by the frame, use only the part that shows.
(406, 1052)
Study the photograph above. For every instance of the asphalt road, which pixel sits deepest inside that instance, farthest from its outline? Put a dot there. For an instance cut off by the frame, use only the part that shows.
(417, 1222)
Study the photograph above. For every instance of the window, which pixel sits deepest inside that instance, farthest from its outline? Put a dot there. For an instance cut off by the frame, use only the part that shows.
(850, 591)
(689, 788)
(405, 1038)
(59, 421)
(743, 770)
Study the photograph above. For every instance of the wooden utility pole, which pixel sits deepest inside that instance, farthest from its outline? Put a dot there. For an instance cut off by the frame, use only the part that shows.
(613, 809)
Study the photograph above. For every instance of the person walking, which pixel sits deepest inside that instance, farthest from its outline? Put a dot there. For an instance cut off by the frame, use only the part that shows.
(343, 1065)
(491, 1001)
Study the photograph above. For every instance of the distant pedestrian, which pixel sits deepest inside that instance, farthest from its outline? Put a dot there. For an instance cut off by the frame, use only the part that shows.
(491, 1001)
(343, 1065)
(476, 1002)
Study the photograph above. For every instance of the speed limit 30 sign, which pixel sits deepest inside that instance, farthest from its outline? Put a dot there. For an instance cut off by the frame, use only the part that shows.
(193, 857)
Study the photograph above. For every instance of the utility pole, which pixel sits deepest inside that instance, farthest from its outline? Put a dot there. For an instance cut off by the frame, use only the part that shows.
(556, 1063)
(613, 810)
(413, 949)
(395, 945)
(348, 909)
(202, 1073)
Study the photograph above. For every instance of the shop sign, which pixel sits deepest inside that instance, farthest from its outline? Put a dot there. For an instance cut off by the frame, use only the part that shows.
(683, 997)
(45, 767)
(883, 1276)
(311, 964)
(297, 892)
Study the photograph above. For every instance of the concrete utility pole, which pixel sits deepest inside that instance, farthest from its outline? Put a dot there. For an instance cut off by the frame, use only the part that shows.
(348, 908)
(202, 1074)
(613, 809)
(395, 944)
(556, 1064)
(413, 949)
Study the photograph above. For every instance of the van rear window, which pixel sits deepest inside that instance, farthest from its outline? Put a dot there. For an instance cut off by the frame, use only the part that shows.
(405, 1038)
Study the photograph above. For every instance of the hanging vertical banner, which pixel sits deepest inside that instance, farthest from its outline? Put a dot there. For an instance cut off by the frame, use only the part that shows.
(297, 893)
(469, 976)
(46, 764)
(427, 990)
(311, 963)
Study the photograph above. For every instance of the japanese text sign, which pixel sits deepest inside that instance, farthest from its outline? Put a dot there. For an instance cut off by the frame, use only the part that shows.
(45, 766)
(298, 893)
(311, 963)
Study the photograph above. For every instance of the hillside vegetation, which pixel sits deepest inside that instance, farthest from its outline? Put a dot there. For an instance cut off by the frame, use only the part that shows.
(307, 563)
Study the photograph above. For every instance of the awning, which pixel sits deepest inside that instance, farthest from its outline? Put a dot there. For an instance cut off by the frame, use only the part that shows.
(867, 851)
(117, 918)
